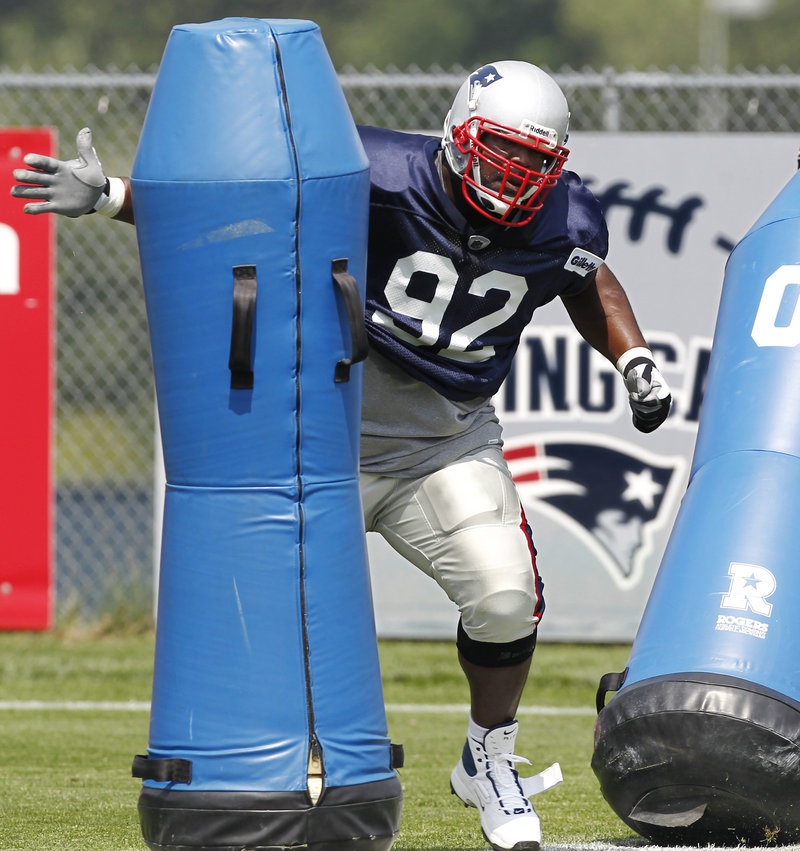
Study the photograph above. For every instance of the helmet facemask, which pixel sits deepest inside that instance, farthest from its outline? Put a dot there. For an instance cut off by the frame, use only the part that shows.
(504, 137)
(507, 192)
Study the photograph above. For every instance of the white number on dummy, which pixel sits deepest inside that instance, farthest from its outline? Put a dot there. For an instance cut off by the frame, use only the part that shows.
(765, 332)
(9, 261)
(430, 313)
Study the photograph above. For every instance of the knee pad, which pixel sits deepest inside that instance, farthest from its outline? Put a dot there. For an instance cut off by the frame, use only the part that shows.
(503, 614)
(489, 654)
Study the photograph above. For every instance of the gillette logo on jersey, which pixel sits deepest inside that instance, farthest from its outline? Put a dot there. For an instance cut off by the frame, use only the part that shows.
(583, 262)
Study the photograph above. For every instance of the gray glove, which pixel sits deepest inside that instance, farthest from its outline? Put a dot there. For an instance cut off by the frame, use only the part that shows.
(71, 188)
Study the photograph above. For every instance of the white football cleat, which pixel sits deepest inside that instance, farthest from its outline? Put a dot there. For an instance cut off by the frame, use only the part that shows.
(485, 778)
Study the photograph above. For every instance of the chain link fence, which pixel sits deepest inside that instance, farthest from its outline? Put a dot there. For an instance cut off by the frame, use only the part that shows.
(105, 400)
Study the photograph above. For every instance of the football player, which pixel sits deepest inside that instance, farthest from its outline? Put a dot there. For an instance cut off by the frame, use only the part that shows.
(469, 234)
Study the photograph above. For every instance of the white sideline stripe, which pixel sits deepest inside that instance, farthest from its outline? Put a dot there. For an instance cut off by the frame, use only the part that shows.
(444, 708)
(635, 844)
(144, 706)
(75, 705)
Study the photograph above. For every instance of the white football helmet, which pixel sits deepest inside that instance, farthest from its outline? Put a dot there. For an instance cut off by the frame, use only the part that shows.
(515, 101)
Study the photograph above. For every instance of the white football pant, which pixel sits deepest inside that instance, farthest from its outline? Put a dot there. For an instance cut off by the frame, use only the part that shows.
(464, 526)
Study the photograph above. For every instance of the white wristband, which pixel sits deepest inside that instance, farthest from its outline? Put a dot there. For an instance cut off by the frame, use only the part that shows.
(632, 354)
(110, 202)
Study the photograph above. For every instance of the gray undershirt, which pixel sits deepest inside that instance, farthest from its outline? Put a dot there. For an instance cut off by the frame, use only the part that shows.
(410, 430)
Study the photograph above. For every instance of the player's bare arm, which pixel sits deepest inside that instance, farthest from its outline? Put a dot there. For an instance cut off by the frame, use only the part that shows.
(125, 213)
(603, 315)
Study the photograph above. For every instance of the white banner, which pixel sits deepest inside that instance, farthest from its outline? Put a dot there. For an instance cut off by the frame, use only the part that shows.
(601, 497)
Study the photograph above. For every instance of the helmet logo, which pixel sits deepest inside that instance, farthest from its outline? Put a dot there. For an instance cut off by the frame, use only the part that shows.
(529, 128)
(479, 79)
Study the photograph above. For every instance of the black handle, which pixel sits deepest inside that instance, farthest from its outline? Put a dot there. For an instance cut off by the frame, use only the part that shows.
(355, 314)
(245, 288)
(609, 682)
(171, 770)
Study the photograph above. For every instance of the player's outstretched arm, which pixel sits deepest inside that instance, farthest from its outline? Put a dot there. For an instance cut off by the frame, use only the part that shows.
(73, 187)
(604, 317)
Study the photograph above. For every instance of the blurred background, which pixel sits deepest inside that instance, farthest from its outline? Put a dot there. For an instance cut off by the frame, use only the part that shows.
(688, 66)
(684, 35)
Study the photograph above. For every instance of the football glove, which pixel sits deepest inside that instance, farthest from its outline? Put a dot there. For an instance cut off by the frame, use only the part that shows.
(648, 393)
(71, 188)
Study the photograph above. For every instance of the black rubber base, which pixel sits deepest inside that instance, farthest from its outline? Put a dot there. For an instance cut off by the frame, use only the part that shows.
(348, 818)
(698, 759)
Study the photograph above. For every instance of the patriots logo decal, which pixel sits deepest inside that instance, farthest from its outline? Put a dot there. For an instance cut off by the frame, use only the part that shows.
(609, 493)
(480, 79)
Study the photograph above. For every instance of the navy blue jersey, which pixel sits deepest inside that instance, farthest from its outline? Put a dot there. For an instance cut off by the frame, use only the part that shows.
(450, 308)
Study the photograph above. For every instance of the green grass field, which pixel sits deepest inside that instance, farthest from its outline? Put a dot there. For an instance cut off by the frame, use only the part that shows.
(65, 772)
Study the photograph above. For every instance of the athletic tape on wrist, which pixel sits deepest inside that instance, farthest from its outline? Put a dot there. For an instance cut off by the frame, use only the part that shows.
(112, 198)
(638, 353)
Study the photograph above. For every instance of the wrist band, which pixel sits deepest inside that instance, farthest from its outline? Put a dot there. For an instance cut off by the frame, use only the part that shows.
(112, 198)
(636, 353)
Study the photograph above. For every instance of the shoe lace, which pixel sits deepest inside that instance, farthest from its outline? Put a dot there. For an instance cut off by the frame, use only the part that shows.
(503, 776)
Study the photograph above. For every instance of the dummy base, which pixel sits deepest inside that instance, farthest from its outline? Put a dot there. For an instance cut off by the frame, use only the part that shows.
(347, 818)
(697, 759)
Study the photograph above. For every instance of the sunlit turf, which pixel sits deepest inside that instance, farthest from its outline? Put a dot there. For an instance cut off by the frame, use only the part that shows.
(65, 775)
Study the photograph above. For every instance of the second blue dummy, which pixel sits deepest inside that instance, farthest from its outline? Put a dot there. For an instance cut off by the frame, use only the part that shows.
(701, 743)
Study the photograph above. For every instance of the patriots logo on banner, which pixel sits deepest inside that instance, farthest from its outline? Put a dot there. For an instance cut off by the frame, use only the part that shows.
(609, 493)
(481, 78)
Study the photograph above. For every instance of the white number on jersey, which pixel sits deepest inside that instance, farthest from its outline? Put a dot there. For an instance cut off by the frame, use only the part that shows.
(431, 313)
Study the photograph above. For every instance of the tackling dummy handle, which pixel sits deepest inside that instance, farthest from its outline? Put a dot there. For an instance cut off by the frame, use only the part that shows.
(245, 292)
(240, 362)
(355, 313)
